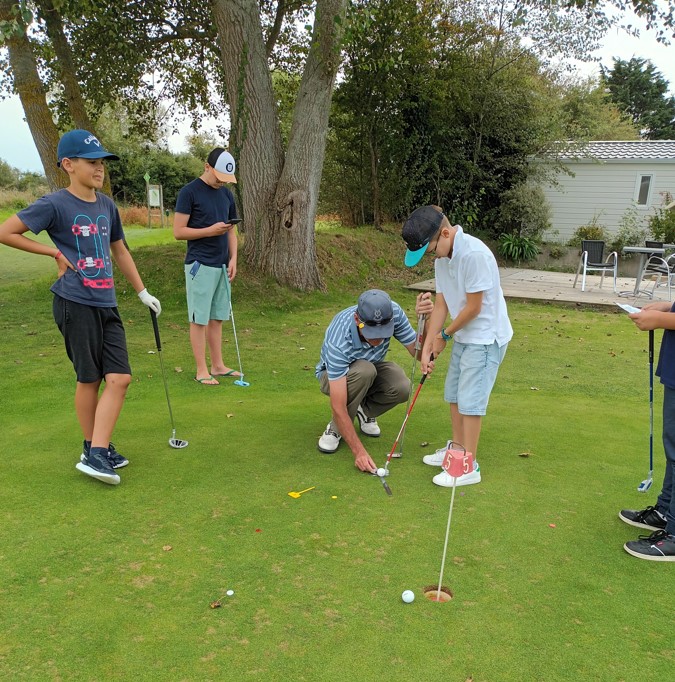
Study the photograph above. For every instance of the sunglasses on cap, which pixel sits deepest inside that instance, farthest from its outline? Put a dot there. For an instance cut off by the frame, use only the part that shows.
(376, 323)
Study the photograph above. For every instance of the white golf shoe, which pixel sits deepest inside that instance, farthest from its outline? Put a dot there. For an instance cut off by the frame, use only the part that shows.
(445, 480)
(435, 460)
(330, 439)
(368, 425)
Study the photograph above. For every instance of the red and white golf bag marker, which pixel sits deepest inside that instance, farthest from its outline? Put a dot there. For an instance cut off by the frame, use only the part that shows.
(457, 461)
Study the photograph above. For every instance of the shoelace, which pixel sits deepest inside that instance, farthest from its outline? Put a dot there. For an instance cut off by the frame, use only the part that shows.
(646, 512)
(330, 432)
(655, 537)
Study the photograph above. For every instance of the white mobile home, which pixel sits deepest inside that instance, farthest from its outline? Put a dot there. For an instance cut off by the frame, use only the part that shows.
(607, 179)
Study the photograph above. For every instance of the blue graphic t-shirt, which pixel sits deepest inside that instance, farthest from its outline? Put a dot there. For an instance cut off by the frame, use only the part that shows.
(82, 231)
(206, 205)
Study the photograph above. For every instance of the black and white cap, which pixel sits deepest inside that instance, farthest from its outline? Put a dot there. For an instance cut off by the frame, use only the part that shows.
(222, 163)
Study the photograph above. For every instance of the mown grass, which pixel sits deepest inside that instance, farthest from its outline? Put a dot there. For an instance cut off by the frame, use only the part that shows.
(103, 583)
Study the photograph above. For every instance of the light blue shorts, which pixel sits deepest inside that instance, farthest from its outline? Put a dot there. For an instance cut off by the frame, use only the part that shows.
(472, 374)
(208, 293)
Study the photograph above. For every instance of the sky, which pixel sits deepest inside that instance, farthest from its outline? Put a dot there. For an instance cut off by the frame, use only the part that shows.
(18, 149)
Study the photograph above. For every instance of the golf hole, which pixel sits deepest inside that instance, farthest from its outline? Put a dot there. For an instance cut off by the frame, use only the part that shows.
(431, 593)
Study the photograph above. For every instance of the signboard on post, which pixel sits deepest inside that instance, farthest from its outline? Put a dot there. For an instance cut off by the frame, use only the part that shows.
(154, 196)
(155, 200)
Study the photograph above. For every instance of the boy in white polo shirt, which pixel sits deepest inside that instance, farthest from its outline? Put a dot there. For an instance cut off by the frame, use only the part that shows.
(469, 290)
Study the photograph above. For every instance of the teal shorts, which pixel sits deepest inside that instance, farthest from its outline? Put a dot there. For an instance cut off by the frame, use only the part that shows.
(208, 293)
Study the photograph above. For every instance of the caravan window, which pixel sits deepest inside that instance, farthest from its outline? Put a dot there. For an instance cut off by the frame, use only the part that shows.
(643, 187)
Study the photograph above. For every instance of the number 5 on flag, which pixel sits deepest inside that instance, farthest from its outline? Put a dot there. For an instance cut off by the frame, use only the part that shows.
(457, 460)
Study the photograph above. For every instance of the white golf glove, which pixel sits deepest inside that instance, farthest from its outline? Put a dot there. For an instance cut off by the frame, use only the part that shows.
(150, 301)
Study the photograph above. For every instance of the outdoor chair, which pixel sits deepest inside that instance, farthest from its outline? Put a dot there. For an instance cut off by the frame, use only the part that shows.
(658, 269)
(592, 252)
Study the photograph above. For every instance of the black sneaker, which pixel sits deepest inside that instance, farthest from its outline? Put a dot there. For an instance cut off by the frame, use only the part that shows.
(658, 546)
(117, 461)
(649, 518)
(97, 465)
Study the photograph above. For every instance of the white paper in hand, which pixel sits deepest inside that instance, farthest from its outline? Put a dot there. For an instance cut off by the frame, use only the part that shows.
(629, 308)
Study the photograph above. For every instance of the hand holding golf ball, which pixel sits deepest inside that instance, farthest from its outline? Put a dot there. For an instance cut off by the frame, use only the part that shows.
(408, 596)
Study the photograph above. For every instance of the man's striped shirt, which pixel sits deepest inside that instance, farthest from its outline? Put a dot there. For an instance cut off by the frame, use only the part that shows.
(342, 344)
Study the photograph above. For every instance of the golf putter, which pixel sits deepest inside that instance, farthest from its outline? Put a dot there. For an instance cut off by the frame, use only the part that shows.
(240, 381)
(174, 442)
(405, 421)
(647, 483)
(421, 321)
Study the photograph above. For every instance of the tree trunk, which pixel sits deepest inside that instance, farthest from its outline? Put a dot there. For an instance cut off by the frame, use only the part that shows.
(29, 87)
(278, 194)
(67, 73)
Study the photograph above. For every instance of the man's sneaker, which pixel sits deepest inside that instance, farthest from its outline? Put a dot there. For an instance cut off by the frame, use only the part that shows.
(649, 518)
(368, 425)
(97, 465)
(444, 479)
(117, 461)
(435, 460)
(330, 439)
(659, 546)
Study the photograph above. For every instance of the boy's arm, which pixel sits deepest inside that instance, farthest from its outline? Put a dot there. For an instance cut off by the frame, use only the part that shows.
(233, 246)
(182, 231)
(11, 234)
(474, 303)
(127, 267)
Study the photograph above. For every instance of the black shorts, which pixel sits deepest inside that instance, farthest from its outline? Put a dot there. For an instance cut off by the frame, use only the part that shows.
(94, 337)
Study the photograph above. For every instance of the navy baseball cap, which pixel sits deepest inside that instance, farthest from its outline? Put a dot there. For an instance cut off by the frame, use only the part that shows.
(420, 228)
(376, 313)
(81, 144)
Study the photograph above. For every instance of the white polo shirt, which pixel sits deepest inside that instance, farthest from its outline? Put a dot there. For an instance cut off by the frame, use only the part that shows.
(473, 268)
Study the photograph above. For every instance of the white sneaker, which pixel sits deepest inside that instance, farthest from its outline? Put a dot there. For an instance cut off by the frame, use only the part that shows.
(330, 439)
(368, 425)
(435, 460)
(445, 480)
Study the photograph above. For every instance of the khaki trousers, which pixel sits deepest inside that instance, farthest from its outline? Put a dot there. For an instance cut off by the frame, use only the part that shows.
(377, 387)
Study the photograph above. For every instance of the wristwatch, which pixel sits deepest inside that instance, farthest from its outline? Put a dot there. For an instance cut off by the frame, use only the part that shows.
(444, 336)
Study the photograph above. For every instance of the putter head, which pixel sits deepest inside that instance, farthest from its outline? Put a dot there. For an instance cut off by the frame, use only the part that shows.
(241, 382)
(645, 485)
(177, 443)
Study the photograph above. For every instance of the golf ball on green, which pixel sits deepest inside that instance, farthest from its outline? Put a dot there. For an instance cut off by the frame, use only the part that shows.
(230, 593)
(381, 472)
(408, 596)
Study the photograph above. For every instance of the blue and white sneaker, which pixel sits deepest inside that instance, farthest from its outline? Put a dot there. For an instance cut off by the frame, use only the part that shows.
(117, 461)
(97, 465)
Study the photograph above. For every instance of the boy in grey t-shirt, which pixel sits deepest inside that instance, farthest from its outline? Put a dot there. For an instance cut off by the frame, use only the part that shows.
(86, 230)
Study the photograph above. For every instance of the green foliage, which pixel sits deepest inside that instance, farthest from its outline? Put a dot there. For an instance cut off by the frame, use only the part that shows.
(593, 230)
(557, 251)
(524, 210)
(662, 223)
(517, 248)
(641, 92)
(632, 230)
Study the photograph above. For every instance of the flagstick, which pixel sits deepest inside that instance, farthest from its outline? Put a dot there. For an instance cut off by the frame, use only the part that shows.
(447, 534)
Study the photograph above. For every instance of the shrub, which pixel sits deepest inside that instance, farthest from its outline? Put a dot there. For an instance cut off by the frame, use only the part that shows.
(524, 210)
(632, 231)
(592, 230)
(662, 223)
(516, 248)
(138, 215)
(557, 251)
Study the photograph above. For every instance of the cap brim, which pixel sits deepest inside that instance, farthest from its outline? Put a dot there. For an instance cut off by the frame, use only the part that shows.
(91, 155)
(382, 331)
(224, 177)
(414, 257)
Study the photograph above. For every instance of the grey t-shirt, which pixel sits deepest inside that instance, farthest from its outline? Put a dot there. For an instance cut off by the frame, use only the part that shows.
(83, 232)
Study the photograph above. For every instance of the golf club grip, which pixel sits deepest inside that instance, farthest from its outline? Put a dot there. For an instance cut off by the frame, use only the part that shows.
(424, 376)
(651, 346)
(155, 328)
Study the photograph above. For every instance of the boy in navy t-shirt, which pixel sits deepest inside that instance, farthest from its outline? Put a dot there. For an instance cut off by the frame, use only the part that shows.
(86, 230)
(204, 209)
(659, 518)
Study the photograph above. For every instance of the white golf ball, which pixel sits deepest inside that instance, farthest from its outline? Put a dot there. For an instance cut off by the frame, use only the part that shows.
(381, 472)
(229, 593)
(408, 596)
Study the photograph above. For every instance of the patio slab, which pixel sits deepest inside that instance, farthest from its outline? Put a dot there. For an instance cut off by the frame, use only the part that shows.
(540, 285)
